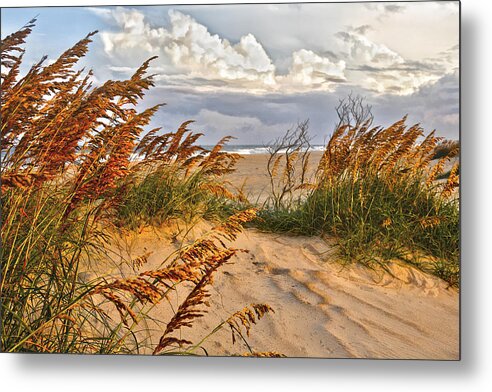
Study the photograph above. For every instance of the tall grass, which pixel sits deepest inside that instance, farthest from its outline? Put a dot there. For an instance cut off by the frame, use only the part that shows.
(185, 183)
(376, 194)
(75, 160)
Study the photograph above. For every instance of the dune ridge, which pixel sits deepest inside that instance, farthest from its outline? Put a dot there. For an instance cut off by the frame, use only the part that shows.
(322, 308)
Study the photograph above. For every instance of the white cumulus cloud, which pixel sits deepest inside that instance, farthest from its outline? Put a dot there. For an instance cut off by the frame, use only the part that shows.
(188, 48)
(376, 67)
(361, 50)
(192, 55)
(310, 69)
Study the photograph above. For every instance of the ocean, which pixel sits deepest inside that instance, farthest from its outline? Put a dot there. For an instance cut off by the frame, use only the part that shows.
(250, 149)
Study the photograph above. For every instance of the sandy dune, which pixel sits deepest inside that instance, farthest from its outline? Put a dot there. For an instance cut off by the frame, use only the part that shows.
(321, 308)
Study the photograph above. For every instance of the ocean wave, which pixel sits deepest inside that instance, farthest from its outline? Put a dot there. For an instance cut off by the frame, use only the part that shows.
(251, 150)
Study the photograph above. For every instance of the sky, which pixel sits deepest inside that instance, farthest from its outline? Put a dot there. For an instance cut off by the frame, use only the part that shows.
(254, 71)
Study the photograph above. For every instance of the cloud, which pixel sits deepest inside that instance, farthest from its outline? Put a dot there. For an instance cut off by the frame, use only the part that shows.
(362, 51)
(378, 68)
(251, 119)
(451, 119)
(122, 70)
(312, 70)
(393, 8)
(435, 106)
(191, 46)
(190, 54)
(104, 13)
(258, 119)
(242, 128)
(364, 29)
(385, 10)
(188, 48)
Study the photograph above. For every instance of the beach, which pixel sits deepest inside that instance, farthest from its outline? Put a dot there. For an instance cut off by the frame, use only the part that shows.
(323, 307)
(251, 175)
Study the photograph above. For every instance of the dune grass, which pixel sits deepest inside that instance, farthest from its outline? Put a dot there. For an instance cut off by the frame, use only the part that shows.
(154, 194)
(375, 192)
(159, 196)
(76, 161)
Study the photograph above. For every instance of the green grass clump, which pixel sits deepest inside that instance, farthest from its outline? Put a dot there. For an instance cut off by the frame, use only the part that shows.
(45, 305)
(374, 222)
(162, 195)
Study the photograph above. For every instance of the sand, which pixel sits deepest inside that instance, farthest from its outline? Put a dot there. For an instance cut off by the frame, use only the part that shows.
(322, 308)
(252, 177)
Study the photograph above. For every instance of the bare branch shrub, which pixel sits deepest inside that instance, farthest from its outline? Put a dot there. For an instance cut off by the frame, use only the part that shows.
(288, 165)
(353, 112)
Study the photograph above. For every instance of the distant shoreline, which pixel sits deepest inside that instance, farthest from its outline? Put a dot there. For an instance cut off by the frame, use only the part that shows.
(255, 149)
